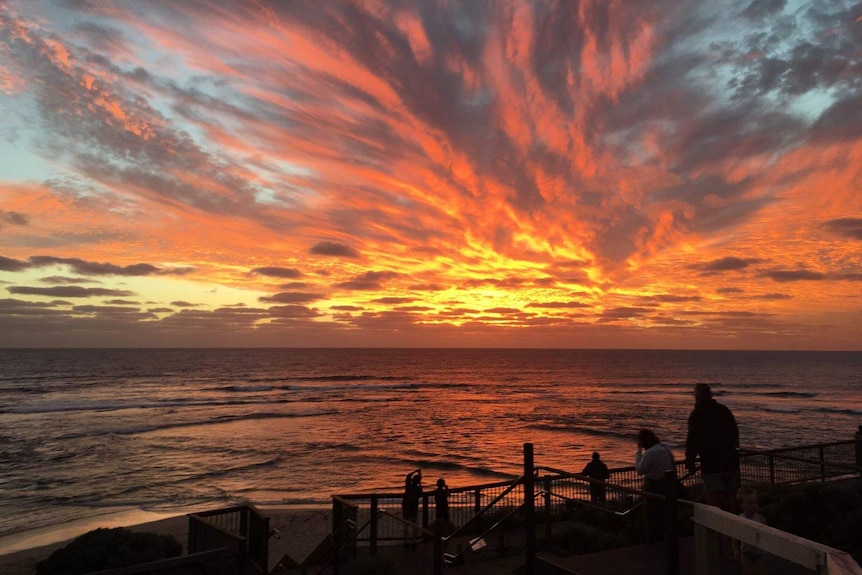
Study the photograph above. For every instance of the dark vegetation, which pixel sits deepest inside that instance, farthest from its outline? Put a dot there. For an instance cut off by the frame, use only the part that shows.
(109, 549)
(829, 513)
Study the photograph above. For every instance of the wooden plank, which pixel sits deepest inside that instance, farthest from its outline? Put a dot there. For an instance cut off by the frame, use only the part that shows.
(842, 564)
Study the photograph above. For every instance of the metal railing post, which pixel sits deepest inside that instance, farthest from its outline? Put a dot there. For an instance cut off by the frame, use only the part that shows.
(529, 508)
(477, 506)
(438, 548)
(547, 488)
(771, 470)
(337, 530)
(372, 544)
(671, 529)
(822, 465)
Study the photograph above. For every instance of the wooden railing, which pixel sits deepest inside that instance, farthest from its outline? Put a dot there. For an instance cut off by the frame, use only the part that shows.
(711, 523)
(777, 466)
(243, 531)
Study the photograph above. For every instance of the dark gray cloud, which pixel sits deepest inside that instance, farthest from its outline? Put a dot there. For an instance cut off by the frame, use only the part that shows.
(278, 272)
(12, 265)
(367, 281)
(670, 298)
(841, 121)
(333, 249)
(764, 8)
(730, 263)
(69, 291)
(292, 312)
(773, 296)
(624, 312)
(66, 280)
(290, 297)
(181, 303)
(12, 219)
(846, 227)
(558, 304)
(427, 287)
(794, 275)
(393, 300)
(94, 268)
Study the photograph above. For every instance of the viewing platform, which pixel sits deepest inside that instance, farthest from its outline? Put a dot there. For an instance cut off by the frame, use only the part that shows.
(540, 523)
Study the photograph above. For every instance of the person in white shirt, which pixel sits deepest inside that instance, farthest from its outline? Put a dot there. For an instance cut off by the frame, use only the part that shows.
(652, 460)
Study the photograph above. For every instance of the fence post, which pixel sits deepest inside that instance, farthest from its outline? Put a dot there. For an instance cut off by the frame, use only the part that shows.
(771, 470)
(438, 548)
(671, 530)
(547, 488)
(336, 535)
(858, 437)
(822, 465)
(477, 505)
(372, 544)
(529, 508)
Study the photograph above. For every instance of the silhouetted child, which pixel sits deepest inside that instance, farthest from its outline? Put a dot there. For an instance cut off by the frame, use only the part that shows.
(410, 506)
(596, 469)
(753, 559)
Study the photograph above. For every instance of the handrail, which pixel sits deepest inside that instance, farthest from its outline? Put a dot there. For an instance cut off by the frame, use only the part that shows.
(505, 492)
(338, 551)
(407, 522)
(593, 505)
(824, 462)
(452, 558)
(810, 554)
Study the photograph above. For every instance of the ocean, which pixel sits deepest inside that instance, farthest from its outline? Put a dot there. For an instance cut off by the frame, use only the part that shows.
(87, 432)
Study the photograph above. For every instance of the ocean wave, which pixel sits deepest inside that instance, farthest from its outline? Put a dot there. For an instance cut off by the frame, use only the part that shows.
(777, 409)
(99, 406)
(580, 429)
(838, 410)
(244, 388)
(136, 429)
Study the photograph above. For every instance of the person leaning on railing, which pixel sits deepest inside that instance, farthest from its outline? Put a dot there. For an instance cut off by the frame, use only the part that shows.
(652, 460)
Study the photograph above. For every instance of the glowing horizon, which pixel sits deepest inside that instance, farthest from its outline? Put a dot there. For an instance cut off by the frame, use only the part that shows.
(507, 174)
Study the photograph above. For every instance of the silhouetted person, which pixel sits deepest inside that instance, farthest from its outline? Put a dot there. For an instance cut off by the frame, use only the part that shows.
(441, 501)
(410, 505)
(714, 435)
(596, 469)
(652, 460)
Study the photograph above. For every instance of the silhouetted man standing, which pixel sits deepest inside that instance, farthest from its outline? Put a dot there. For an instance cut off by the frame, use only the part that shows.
(714, 435)
(596, 469)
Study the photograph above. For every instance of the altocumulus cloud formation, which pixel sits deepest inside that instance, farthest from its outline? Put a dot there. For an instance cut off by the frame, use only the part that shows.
(516, 173)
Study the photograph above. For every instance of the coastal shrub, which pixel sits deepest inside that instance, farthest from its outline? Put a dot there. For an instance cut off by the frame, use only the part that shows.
(829, 513)
(109, 549)
(579, 538)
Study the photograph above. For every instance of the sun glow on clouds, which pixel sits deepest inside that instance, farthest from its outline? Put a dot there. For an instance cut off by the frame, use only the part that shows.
(522, 173)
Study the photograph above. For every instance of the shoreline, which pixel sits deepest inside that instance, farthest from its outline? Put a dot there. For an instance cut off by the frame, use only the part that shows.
(302, 528)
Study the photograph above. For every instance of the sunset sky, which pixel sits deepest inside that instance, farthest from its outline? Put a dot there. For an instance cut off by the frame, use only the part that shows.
(656, 174)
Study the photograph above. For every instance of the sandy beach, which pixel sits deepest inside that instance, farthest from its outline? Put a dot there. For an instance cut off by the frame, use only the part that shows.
(301, 531)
